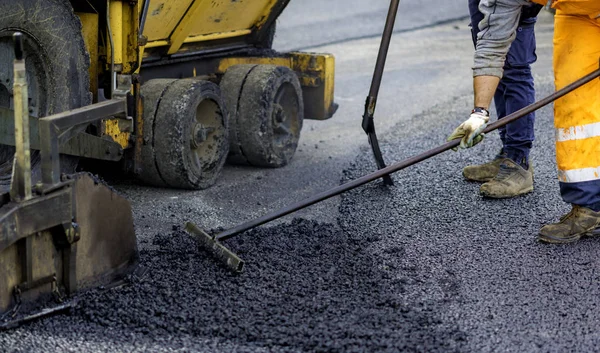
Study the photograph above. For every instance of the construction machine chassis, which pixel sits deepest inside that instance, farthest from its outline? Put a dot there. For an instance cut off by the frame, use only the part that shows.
(161, 90)
(133, 43)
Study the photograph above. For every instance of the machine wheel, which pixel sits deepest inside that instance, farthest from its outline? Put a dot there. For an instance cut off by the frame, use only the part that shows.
(152, 93)
(267, 113)
(57, 66)
(231, 86)
(186, 133)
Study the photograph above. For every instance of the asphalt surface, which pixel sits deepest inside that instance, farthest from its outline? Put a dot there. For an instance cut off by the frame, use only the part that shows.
(425, 266)
(311, 23)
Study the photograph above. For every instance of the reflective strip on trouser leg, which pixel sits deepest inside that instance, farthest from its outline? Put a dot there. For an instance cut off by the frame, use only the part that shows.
(577, 115)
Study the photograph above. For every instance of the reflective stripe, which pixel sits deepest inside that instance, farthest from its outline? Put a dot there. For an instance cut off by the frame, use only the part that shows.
(578, 132)
(578, 154)
(579, 175)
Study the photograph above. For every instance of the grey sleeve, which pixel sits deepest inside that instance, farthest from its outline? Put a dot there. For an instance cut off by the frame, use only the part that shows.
(497, 31)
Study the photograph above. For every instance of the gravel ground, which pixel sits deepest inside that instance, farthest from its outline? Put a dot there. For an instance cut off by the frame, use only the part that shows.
(425, 266)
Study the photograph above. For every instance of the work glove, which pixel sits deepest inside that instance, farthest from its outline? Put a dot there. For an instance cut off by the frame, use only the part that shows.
(470, 131)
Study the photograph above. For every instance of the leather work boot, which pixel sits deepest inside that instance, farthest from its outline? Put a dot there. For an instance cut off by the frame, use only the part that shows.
(483, 172)
(512, 180)
(580, 222)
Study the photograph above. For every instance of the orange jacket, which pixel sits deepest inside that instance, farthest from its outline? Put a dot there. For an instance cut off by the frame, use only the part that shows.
(589, 8)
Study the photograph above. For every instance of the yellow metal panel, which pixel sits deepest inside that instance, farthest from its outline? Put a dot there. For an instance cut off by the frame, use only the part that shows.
(131, 51)
(226, 63)
(317, 70)
(177, 22)
(89, 22)
(163, 17)
(112, 128)
(213, 36)
(124, 19)
(226, 15)
(116, 26)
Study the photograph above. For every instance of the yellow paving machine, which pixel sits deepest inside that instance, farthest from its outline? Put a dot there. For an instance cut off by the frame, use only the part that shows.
(165, 90)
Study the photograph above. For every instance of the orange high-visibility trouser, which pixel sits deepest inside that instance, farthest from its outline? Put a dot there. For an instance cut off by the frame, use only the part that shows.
(577, 115)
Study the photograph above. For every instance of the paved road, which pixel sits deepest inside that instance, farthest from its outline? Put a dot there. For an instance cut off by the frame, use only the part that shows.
(308, 23)
(425, 266)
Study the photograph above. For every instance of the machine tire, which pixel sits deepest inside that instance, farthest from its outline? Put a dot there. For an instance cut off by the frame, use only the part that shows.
(231, 86)
(270, 113)
(190, 136)
(57, 66)
(152, 93)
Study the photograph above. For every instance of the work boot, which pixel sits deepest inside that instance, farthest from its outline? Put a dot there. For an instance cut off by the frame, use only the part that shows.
(484, 172)
(580, 222)
(512, 180)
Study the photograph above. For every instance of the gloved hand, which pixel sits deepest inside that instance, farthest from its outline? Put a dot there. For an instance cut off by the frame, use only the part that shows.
(470, 131)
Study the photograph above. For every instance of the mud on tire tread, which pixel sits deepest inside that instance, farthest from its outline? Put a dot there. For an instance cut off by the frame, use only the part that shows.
(254, 123)
(177, 163)
(151, 92)
(231, 86)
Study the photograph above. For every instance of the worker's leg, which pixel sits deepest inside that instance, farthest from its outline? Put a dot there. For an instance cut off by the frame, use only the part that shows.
(577, 123)
(516, 91)
(519, 90)
(500, 104)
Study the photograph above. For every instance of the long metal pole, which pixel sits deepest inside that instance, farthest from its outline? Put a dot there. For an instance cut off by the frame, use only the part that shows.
(401, 165)
(368, 123)
(383, 48)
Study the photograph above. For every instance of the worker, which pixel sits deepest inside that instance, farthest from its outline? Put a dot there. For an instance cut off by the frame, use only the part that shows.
(576, 115)
(509, 174)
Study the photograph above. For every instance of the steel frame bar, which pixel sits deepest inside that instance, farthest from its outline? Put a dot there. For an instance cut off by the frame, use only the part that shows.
(20, 188)
(59, 128)
(20, 220)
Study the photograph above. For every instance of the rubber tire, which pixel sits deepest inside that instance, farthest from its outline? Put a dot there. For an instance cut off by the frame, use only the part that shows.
(151, 93)
(231, 87)
(176, 164)
(254, 127)
(65, 63)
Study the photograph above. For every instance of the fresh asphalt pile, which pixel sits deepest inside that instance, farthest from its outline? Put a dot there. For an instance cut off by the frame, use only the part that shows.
(427, 265)
(307, 287)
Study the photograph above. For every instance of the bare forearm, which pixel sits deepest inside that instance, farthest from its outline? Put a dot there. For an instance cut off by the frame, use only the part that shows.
(484, 88)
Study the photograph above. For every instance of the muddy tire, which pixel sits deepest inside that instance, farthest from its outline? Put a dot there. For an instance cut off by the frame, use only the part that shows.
(152, 93)
(57, 66)
(231, 86)
(185, 133)
(266, 114)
